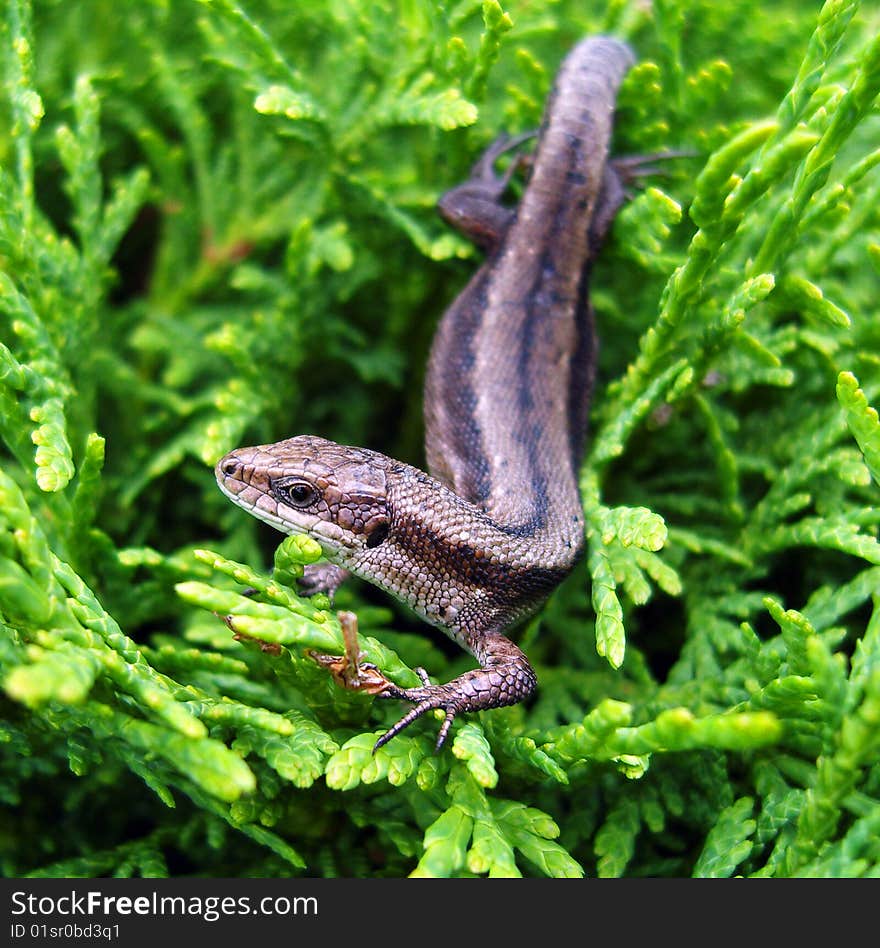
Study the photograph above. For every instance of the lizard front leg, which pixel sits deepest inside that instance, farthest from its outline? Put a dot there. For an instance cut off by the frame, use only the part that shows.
(322, 577)
(504, 677)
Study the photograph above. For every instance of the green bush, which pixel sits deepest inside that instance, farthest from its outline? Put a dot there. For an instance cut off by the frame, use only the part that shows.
(217, 228)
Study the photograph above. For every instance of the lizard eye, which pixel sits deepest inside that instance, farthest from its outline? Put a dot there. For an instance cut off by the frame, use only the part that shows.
(296, 493)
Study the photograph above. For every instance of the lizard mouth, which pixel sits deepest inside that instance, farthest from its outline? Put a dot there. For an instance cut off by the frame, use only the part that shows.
(247, 486)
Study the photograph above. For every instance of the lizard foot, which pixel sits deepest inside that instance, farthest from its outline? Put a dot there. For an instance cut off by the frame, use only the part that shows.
(427, 698)
(506, 678)
(316, 578)
(474, 207)
(322, 578)
(620, 178)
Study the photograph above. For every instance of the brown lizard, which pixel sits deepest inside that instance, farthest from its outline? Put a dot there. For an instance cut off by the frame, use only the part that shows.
(478, 544)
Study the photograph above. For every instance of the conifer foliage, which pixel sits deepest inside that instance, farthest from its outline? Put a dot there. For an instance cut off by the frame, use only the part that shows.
(217, 228)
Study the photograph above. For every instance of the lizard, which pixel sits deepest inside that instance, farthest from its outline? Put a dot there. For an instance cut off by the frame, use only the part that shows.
(476, 544)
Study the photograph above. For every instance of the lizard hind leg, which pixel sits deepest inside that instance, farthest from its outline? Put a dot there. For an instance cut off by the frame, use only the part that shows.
(484, 168)
(475, 207)
(621, 177)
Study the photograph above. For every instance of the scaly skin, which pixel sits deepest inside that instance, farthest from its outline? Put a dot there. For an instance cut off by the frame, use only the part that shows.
(478, 546)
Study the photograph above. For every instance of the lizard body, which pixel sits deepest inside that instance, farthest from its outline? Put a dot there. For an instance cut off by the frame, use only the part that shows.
(478, 544)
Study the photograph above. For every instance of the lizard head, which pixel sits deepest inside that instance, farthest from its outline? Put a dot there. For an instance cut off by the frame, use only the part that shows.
(333, 493)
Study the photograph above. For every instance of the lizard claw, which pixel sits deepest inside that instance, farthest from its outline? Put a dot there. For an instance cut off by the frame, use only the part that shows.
(632, 168)
(484, 169)
(427, 698)
(504, 678)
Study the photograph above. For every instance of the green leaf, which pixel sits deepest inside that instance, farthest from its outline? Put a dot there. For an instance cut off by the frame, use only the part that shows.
(282, 100)
(299, 757)
(610, 633)
(728, 843)
(471, 746)
(634, 526)
(355, 762)
(533, 833)
(807, 296)
(861, 419)
(447, 110)
(445, 845)
(491, 853)
(615, 839)
(54, 676)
